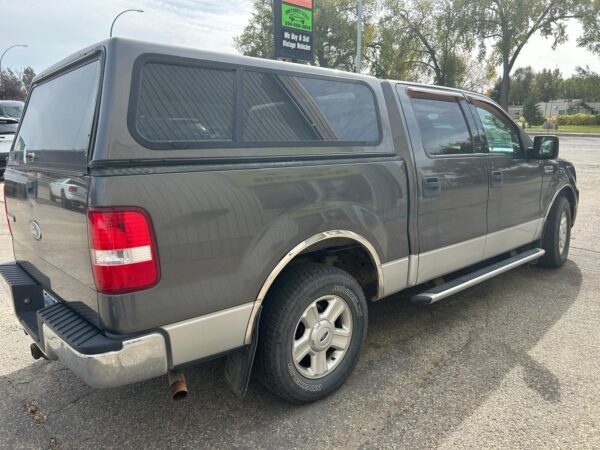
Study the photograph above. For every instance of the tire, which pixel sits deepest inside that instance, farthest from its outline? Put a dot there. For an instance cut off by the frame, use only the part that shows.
(556, 240)
(64, 201)
(297, 295)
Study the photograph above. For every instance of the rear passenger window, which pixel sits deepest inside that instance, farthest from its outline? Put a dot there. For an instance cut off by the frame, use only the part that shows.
(183, 103)
(282, 108)
(443, 127)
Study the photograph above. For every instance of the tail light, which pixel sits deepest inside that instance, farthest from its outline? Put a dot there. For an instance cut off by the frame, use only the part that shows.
(123, 249)
(72, 188)
(6, 211)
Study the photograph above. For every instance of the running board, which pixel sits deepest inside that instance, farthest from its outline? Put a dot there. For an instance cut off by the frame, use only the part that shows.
(466, 281)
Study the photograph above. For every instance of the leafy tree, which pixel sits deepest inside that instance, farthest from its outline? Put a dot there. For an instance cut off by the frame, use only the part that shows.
(334, 33)
(437, 34)
(590, 38)
(508, 25)
(11, 87)
(521, 85)
(532, 113)
(27, 78)
(584, 84)
(547, 85)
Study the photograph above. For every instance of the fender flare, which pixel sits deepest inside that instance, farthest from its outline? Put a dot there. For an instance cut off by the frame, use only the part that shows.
(298, 249)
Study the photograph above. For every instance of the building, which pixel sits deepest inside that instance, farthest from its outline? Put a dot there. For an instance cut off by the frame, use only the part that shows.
(568, 107)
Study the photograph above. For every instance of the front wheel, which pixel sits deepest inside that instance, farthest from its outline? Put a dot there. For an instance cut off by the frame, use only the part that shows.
(312, 330)
(557, 235)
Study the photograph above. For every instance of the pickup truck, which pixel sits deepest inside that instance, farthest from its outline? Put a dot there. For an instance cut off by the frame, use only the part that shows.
(251, 209)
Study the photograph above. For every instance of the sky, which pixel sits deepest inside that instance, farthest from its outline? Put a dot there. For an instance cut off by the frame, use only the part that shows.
(53, 29)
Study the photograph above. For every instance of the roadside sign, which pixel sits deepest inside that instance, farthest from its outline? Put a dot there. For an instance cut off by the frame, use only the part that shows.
(294, 29)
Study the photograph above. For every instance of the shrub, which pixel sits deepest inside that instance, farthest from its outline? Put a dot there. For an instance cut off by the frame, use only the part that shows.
(578, 119)
(532, 112)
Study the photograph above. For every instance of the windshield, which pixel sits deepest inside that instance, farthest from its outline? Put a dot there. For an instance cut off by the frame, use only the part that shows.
(14, 111)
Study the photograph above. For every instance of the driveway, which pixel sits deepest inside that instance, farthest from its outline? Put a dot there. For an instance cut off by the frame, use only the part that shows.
(513, 362)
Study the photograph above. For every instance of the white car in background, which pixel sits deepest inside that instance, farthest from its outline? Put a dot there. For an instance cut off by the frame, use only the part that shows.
(10, 114)
(70, 192)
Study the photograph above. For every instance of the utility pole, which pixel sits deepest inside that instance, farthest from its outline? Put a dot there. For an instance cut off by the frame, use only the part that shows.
(359, 35)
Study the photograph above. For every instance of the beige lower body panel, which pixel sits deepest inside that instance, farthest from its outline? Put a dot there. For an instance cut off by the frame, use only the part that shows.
(208, 335)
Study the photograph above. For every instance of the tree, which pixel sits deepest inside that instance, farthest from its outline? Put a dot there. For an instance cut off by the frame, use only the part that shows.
(334, 33)
(437, 35)
(590, 38)
(532, 113)
(584, 84)
(11, 87)
(508, 25)
(547, 85)
(521, 85)
(27, 78)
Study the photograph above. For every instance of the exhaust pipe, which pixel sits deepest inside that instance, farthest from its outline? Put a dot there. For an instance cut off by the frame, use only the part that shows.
(177, 384)
(36, 352)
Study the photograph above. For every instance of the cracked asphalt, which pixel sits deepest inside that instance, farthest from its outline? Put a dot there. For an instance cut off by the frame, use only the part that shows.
(513, 362)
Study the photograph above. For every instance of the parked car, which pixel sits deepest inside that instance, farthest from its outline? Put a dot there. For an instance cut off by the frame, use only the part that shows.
(69, 191)
(11, 108)
(8, 128)
(239, 206)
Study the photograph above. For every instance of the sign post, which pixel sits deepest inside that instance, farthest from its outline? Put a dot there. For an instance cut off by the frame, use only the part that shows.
(294, 29)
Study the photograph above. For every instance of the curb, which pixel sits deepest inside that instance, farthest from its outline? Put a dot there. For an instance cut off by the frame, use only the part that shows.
(565, 133)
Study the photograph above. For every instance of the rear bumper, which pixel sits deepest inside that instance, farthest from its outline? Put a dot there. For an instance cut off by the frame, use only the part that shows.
(62, 334)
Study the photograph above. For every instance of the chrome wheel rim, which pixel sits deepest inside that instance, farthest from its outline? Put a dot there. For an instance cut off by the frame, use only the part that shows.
(322, 336)
(562, 232)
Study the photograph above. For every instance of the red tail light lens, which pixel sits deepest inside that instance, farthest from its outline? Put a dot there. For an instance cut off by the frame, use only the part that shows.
(72, 188)
(123, 250)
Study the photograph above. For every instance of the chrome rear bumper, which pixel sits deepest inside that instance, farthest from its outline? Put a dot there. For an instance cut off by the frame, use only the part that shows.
(141, 358)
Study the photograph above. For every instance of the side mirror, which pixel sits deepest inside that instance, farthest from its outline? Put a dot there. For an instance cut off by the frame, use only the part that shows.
(544, 147)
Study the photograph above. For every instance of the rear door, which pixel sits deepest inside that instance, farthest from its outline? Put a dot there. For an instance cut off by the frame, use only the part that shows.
(452, 179)
(46, 184)
(515, 182)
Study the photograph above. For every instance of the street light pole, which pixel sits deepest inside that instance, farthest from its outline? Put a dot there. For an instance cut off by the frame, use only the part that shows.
(359, 35)
(119, 15)
(4, 53)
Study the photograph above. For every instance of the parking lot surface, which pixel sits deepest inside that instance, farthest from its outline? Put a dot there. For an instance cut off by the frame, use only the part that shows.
(513, 362)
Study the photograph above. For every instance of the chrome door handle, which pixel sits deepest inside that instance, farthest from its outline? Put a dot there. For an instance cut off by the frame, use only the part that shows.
(548, 169)
(30, 156)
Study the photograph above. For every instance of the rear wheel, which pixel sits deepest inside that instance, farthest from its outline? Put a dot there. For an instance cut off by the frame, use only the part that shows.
(312, 330)
(557, 235)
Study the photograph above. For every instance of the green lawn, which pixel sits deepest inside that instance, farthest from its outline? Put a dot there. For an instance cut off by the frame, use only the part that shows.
(570, 128)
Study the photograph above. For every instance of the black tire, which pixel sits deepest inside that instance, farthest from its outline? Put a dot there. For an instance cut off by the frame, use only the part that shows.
(64, 201)
(293, 292)
(554, 257)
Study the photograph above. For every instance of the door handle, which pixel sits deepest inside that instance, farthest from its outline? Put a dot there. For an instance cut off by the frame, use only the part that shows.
(29, 156)
(497, 178)
(431, 186)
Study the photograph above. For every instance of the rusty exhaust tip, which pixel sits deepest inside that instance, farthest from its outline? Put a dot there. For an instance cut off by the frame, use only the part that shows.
(36, 352)
(177, 385)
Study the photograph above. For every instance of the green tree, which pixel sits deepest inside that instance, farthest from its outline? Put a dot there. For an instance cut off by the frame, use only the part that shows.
(584, 84)
(509, 24)
(436, 33)
(590, 38)
(11, 87)
(521, 85)
(334, 33)
(547, 85)
(532, 113)
(27, 78)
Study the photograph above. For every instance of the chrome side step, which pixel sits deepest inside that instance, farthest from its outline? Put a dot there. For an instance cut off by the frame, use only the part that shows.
(466, 281)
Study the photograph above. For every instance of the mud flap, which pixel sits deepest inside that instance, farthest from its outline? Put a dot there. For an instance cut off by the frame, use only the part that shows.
(238, 365)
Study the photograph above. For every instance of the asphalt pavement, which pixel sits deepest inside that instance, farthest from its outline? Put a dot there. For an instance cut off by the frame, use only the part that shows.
(511, 363)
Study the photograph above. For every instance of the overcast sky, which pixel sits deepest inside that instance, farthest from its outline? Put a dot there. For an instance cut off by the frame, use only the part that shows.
(54, 29)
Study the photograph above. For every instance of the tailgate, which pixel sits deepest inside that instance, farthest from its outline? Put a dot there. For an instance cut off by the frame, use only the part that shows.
(46, 184)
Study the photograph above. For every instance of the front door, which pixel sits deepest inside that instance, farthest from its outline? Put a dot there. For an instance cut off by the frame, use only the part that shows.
(515, 182)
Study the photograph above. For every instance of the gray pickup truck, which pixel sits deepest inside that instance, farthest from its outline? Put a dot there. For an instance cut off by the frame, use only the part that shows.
(168, 206)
